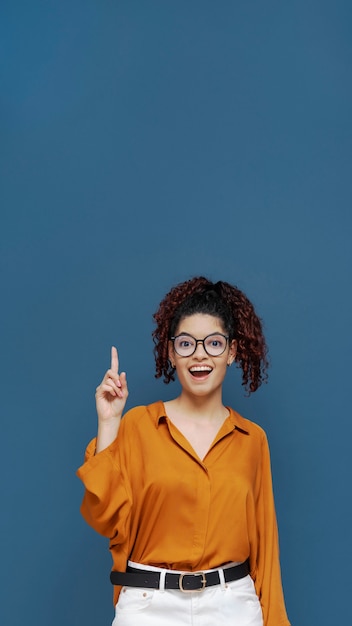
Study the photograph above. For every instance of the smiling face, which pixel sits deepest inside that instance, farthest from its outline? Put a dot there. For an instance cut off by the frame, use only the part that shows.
(200, 373)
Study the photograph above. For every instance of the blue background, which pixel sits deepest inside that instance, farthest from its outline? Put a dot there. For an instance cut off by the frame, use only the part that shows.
(144, 142)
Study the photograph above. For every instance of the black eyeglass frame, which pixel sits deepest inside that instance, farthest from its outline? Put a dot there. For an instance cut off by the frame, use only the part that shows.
(200, 341)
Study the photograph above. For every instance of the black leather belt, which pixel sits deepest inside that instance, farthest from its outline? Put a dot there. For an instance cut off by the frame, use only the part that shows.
(186, 581)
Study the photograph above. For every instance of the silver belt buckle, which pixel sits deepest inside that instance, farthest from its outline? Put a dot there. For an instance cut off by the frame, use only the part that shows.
(180, 582)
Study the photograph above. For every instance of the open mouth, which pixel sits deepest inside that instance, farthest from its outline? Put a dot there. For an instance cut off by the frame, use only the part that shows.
(200, 371)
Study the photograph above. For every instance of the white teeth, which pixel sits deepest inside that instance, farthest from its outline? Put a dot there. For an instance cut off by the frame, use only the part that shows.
(200, 368)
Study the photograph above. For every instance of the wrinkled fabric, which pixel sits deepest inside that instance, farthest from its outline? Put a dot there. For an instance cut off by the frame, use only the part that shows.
(161, 505)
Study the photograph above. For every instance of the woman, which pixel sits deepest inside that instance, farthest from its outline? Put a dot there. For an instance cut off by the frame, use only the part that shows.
(183, 488)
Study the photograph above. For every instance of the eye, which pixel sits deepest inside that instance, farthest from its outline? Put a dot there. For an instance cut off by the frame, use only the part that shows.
(184, 342)
(216, 342)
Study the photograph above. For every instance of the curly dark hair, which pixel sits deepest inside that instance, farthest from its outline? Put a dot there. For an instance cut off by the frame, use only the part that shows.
(232, 307)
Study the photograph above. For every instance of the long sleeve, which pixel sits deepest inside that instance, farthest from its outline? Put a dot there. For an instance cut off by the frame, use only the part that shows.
(268, 574)
(106, 504)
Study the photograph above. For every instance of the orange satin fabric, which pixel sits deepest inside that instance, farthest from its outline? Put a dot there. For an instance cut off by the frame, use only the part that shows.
(159, 504)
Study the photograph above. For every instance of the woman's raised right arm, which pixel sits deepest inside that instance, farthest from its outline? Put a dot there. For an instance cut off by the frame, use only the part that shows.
(110, 397)
(106, 500)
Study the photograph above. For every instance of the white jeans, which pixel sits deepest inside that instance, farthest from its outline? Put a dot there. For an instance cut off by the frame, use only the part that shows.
(228, 604)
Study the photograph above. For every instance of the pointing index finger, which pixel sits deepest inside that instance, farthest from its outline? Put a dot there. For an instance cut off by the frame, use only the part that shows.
(114, 360)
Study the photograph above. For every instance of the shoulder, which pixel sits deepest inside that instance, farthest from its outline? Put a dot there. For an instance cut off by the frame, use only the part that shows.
(254, 439)
(141, 413)
(247, 426)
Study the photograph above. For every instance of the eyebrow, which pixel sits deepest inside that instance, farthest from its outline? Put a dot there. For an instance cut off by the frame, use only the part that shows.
(216, 332)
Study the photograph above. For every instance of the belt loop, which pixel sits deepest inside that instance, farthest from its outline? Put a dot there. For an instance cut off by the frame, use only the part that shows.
(162, 580)
(222, 578)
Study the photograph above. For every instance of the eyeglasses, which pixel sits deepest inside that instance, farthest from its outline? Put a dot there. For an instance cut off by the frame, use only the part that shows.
(186, 345)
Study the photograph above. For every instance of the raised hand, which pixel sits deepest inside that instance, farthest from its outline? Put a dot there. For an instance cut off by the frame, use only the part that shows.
(112, 393)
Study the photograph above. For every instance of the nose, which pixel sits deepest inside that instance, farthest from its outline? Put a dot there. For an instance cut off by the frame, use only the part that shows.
(202, 351)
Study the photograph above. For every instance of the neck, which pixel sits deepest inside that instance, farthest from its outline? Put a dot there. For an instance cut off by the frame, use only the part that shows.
(202, 407)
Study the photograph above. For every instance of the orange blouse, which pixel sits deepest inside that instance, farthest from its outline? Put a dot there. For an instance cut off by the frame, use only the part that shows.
(160, 505)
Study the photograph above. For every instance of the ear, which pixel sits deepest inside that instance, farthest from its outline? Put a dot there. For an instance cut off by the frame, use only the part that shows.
(232, 352)
(171, 354)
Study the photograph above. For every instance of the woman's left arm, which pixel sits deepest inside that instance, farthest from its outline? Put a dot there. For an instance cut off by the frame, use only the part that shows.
(268, 572)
